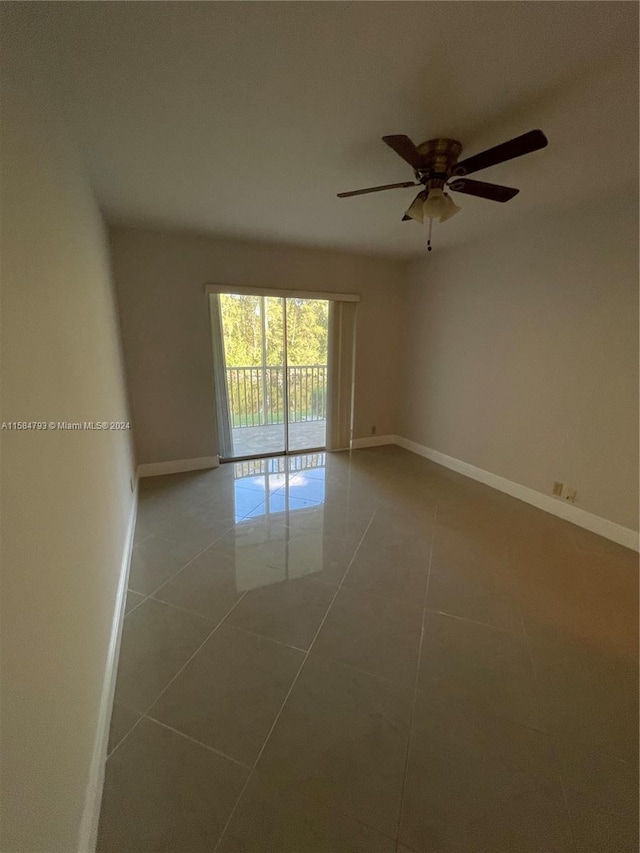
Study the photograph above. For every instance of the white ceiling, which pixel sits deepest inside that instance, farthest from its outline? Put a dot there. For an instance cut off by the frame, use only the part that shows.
(246, 118)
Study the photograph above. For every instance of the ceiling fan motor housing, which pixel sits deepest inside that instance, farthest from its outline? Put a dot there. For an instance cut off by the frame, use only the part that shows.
(439, 157)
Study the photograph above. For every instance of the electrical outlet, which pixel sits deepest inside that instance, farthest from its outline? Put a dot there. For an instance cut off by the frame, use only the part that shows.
(373, 430)
(557, 489)
(571, 496)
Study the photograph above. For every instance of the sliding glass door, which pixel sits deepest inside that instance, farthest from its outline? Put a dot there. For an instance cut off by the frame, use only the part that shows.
(273, 373)
(307, 331)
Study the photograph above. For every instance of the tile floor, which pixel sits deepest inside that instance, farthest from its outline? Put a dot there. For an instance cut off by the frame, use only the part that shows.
(367, 653)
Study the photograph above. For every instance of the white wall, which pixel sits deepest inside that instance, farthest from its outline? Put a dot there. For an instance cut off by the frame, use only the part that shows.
(167, 340)
(66, 498)
(522, 355)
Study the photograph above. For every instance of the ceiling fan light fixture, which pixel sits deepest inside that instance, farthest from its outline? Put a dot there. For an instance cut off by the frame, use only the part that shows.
(414, 211)
(438, 205)
(451, 208)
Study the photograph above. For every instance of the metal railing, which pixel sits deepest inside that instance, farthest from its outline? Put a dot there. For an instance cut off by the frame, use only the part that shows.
(256, 394)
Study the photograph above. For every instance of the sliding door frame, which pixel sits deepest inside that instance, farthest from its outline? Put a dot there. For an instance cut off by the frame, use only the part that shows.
(285, 384)
(325, 296)
(328, 295)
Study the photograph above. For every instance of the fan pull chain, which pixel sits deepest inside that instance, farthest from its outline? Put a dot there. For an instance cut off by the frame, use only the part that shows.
(429, 237)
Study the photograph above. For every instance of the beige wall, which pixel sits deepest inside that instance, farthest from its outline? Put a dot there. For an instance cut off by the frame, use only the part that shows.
(167, 344)
(66, 498)
(522, 355)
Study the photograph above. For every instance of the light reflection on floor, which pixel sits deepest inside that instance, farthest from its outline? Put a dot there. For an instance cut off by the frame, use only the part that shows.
(286, 484)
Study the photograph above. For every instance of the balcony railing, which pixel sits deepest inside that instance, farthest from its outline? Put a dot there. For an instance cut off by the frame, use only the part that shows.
(256, 394)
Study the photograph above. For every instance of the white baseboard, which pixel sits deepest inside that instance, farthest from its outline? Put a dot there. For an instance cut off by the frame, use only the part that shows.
(88, 835)
(595, 523)
(373, 441)
(177, 466)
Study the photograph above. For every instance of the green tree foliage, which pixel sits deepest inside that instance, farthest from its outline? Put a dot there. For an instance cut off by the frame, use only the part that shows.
(307, 329)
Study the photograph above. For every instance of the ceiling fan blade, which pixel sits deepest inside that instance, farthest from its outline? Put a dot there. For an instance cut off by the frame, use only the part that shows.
(494, 192)
(405, 148)
(524, 144)
(378, 189)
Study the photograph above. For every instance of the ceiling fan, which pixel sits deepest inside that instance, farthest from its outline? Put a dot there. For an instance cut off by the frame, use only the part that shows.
(435, 165)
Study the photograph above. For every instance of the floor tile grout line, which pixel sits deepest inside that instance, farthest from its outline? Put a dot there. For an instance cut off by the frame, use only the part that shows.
(400, 684)
(122, 739)
(135, 607)
(180, 608)
(226, 530)
(187, 564)
(405, 602)
(195, 557)
(197, 742)
(145, 713)
(318, 654)
(289, 692)
(475, 622)
(154, 593)
(265, 637)
(416, 681)
(152, 597)
(137, 592)
(202, 644)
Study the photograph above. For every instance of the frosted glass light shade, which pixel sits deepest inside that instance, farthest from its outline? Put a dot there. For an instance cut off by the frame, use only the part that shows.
(415, 211)
(435, 205)
(439, 205)
(451, 208)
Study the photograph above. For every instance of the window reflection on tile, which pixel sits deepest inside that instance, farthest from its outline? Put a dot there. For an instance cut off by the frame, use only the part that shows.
(283, 502)
(281, 485)
(308, 488)
(277, 501)
(246, 501)
(256, 483)
(255, 513)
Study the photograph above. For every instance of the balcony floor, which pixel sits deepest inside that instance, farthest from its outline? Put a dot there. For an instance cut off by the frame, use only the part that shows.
(264, 440)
